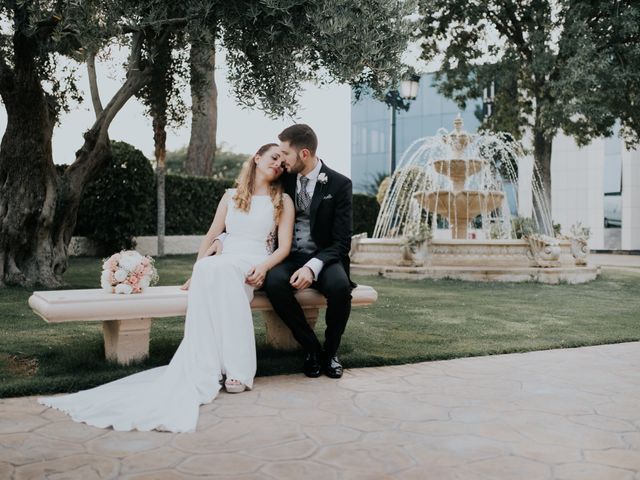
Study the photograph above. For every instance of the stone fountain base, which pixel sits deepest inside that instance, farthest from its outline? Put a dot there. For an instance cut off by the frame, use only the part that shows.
(471, 260)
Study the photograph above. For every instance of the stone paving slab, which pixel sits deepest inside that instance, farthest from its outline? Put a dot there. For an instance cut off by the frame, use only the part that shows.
(614, 260)
(559, 414)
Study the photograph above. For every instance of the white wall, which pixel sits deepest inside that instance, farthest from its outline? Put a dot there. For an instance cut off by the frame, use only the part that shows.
(577, 193)
(630, 200)
(577, 189)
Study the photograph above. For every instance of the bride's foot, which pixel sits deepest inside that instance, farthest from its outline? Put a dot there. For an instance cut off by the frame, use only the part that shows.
(234, 386)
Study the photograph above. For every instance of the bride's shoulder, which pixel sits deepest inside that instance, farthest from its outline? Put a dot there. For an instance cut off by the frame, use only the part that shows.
(287, 200)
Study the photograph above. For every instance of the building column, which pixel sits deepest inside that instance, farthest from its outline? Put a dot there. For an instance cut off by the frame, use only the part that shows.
(630, 199)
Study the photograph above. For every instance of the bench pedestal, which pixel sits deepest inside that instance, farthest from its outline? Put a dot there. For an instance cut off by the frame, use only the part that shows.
(278, 334)
(126, 340)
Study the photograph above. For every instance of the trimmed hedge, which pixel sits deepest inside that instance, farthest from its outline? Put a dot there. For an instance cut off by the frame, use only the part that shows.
(365, 213)
(191, 203)
(121, 203)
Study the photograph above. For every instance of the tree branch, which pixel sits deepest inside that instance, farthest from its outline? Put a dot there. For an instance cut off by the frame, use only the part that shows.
(136, 52)
(169, 22)
(512, 31)
(93, 83)
(93, 153)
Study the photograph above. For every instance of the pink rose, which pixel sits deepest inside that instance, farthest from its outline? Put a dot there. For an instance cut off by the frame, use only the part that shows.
(133, 280)
(145, 261)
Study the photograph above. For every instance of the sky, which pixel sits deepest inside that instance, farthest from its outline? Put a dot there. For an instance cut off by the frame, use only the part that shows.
(327, 109)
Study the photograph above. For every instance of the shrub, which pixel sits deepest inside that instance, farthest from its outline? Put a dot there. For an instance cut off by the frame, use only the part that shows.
(365, 213)
(522, 226)
(116, 204)
(121, 203)
(191, 203)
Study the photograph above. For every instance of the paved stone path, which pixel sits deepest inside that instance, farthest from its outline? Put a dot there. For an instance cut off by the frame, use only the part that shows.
(564, 414)
(623, 262)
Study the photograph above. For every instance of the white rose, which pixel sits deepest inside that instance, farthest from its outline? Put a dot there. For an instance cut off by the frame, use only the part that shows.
(105, 285)
(106, 276)
(144, 282)
(129, 262)
(120, 275)
(123, 288)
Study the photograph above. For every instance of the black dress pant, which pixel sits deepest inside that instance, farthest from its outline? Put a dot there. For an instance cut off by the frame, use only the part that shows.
(332, 282)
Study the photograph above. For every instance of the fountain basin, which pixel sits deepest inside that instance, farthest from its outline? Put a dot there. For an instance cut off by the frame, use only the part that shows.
(458, 170)
(465, 204)
(472, 260)
(460, 207)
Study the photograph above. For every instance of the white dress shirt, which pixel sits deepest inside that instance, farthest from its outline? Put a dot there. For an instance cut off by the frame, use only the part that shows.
(315, 264)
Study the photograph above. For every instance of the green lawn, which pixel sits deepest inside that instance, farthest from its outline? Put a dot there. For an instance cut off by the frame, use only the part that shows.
(412, 321)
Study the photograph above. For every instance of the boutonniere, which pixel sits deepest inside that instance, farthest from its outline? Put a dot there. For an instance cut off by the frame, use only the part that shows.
(322, 178)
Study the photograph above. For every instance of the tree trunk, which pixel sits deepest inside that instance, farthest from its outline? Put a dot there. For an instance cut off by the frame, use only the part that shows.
(542, 146)
(31, 246)
(38, 207)
(158, 94)
(160, 141)
(204, 111)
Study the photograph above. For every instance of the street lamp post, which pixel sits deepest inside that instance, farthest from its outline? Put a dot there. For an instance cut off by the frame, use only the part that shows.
(488, 96)
(400, 99)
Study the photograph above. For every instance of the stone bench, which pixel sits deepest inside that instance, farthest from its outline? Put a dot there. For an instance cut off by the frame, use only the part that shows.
(126, 319)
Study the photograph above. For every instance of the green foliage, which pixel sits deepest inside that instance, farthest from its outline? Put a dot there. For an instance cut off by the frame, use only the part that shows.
(273, 46)
(413, 240)
(552, 61)
(227, 164)
(522, 226)
(365, 213)
(108, 217)
(121, 203)
(115, 204)
(603, 39)
(191, 203)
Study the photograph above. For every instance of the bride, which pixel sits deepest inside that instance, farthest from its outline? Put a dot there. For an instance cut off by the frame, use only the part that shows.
(218, 334)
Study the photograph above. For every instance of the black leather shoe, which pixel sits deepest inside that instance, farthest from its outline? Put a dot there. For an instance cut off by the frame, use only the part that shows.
(333, 367)
(311, 367)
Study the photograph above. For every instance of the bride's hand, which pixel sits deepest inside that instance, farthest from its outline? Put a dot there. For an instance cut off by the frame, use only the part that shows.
(214, 249)
(256, 275)
(186, 285)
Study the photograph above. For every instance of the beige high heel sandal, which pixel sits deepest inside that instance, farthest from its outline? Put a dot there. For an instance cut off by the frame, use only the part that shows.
(234, 387)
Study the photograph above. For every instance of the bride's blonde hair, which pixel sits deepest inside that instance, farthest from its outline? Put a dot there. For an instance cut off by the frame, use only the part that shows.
(245, 184)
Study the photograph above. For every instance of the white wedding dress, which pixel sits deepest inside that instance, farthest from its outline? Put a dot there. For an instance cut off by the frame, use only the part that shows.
(218, 340)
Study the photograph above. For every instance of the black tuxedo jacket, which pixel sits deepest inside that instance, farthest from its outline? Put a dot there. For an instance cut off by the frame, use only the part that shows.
(331, 215)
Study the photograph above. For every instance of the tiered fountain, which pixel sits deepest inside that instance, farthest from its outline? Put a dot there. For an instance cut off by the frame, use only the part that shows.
(453, 180)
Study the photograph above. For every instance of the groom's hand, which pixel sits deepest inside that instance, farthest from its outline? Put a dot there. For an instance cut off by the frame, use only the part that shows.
(301, 278)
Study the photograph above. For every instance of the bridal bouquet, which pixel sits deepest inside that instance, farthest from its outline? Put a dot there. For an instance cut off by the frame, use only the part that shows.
(128, 272)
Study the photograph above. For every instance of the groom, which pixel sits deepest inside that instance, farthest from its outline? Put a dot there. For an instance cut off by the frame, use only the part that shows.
(319, 255)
